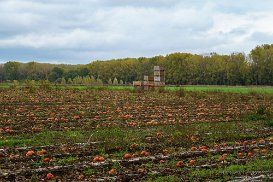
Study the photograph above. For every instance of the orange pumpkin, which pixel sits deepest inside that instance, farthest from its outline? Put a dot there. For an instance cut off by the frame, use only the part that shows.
(46, 160)
(179, 163)
(193, 148)
(127, 156)
(50, 176)
(30, 153)
(192, 162)
(81, 176)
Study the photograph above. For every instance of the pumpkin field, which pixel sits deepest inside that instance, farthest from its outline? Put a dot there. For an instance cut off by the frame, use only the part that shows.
(100, 134)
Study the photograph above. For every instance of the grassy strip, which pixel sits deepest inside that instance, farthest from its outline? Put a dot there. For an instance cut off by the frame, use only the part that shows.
(197, 88)
(96, 87)
(4, 86)
(45, 138)
(123, 137)
(229, 89)
(231, 171)
(171, 178)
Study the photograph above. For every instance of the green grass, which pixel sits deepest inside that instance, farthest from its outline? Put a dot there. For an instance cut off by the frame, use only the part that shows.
(231, 171)
(269, 123)
(11, 142)
(67, 160)
(45, 138)
(4, 86)
(89, 171)
(171, 178)
(193, 88)
(110, 138)
(95, 87)
(232, 89)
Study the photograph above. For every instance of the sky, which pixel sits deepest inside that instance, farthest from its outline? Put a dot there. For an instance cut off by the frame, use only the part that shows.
(81, 31)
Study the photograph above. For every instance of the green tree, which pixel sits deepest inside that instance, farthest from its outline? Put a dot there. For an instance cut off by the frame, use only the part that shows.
(115, 81)
(11, 70)
(262, 64)
(56, 73)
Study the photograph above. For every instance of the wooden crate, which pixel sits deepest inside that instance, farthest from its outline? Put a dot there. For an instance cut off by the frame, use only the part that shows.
(148, 78)
(137, 83)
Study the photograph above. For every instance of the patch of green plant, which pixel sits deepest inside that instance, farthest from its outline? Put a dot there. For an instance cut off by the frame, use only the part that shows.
(171, 162)
(179, 135)
(51, 137)
(255, 117)
(4, 86)
(149, 164)
(132, 98)
(117, 137)
(46, 138)
(23, 99)
(101, 88)
(67, 160)
(119, 154)
(10, 142)
(171, 178)
(203, 174)
(38, 164)
(262, 113)
(116, 166)
(228, 89)
(269, 123)
(232, 170)
(89, 171)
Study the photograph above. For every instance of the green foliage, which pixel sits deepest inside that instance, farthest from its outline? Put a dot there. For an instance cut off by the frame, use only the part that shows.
(55, 74)
(181, 69)
(67, 160)
(14, 84)
(255, 117)
(115, 137)
(261, 67)
(44, 85)
(89, 171)
(262, 113)
(269, 123)
(31, 85)
(110, 81)
(11, 70)
(115, 81)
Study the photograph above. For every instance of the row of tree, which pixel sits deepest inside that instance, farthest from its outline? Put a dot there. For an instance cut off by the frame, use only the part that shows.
(181, 68)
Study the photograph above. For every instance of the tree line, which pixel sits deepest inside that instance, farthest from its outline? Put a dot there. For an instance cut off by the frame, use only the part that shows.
(255, 68)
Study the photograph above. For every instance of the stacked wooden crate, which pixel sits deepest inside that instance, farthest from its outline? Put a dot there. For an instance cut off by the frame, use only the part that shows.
(159, 76)
(151, 82)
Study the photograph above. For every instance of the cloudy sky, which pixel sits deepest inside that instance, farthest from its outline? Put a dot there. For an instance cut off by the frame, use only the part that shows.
(79, 31)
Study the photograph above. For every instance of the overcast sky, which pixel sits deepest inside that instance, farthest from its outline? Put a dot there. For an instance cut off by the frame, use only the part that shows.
(80, 31)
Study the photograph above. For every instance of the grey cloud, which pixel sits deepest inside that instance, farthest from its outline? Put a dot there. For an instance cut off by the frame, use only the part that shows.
(239, 31)
(262, 37)
(84, 30)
